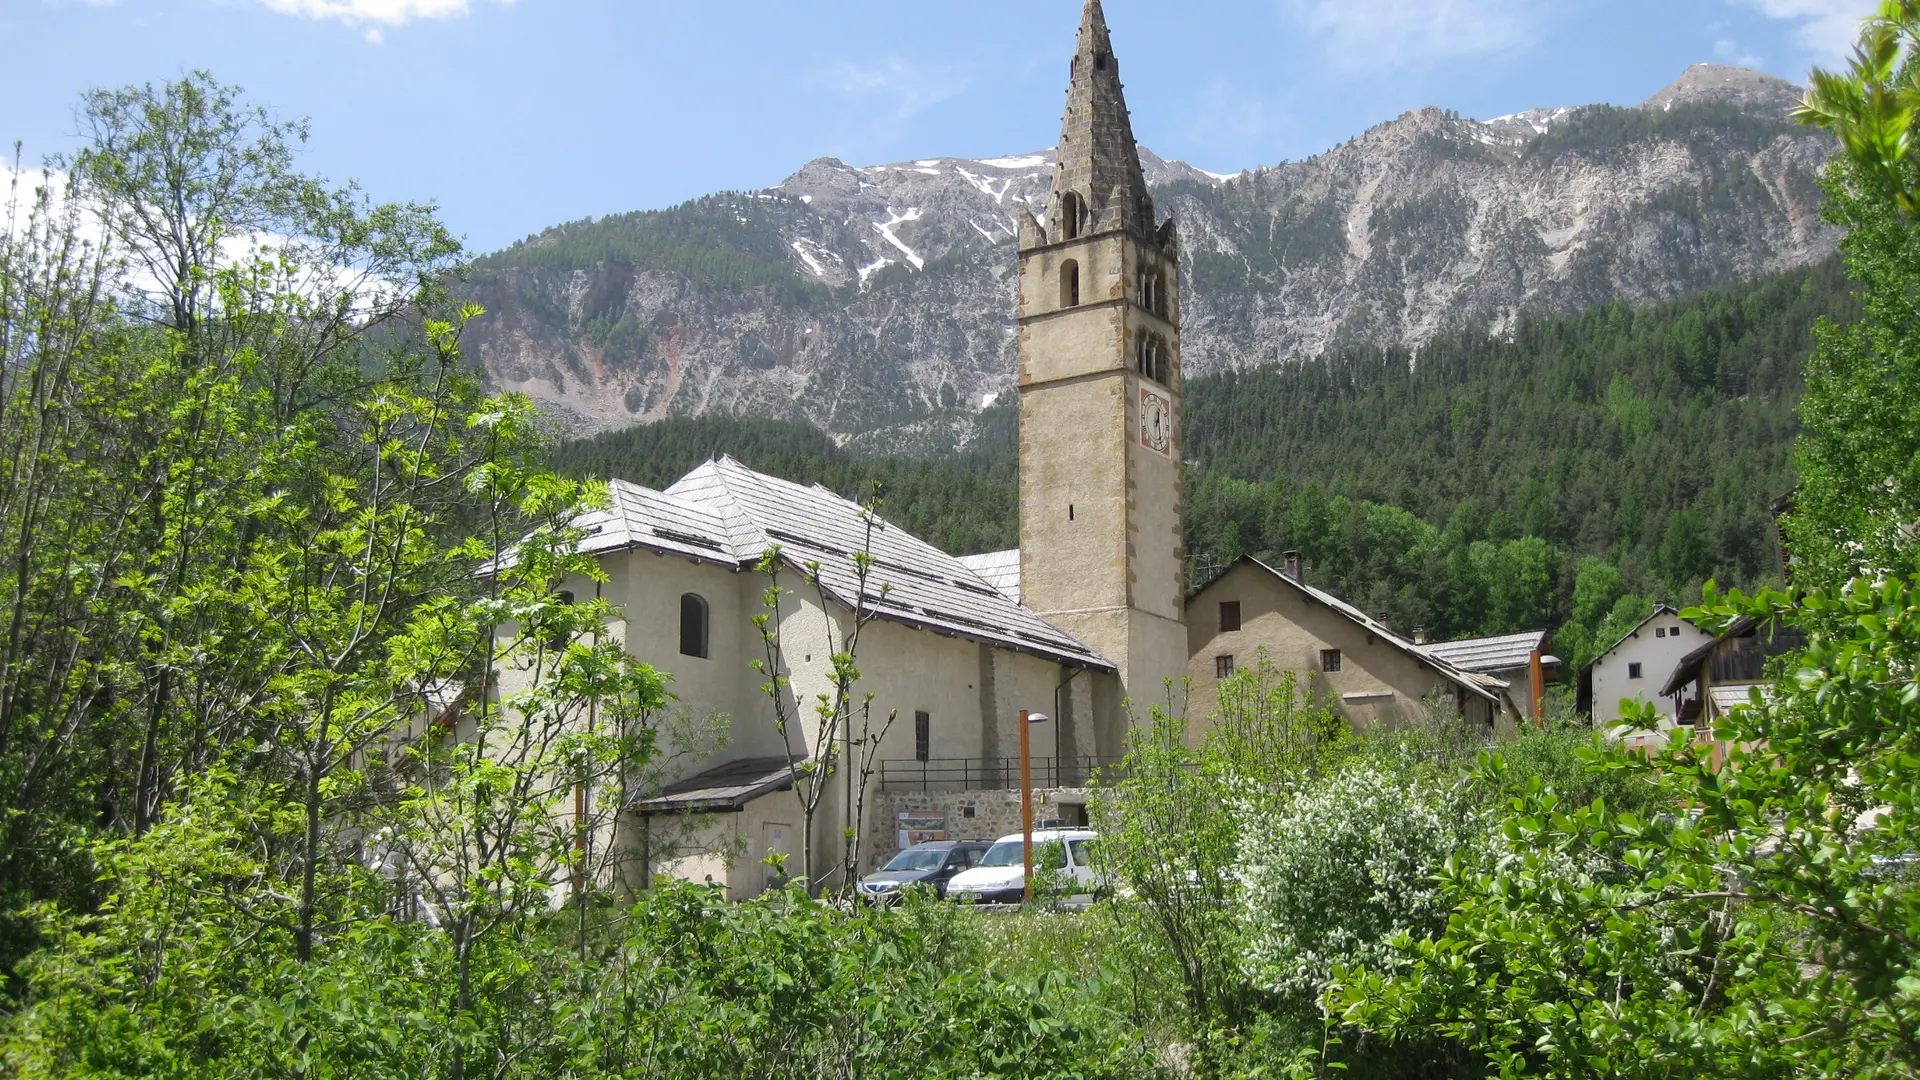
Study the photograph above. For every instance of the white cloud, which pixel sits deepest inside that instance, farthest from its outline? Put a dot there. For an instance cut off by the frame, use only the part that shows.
(1732, 52)
(1382, 34)
(904, 89)
(1826, 29)
(373, 13)
(308, 268)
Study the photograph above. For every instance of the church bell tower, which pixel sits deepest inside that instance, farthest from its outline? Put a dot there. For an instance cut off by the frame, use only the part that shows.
(1101, 511)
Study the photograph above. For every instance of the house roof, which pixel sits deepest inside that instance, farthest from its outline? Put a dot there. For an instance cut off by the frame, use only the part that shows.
(725, 513)
(1485, 686)
(1000, 569)
(727, 787)
(1732, 694)
(1490, 654)
(1689, 666)
(1658, 610)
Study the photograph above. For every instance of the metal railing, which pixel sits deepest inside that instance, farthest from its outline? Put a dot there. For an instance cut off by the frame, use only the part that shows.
(994, 774)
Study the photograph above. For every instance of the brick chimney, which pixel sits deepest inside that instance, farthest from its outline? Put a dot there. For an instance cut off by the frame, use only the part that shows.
(1419, 635)
(1292, 564)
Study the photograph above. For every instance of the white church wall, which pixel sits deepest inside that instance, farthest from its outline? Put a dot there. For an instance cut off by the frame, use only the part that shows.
(647, 588)
(732, 847)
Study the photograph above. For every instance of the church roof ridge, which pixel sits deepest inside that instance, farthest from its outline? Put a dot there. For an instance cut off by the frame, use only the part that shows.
(727, 513)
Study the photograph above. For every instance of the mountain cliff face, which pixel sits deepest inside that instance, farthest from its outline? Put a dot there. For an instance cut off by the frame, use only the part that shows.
(878, 302)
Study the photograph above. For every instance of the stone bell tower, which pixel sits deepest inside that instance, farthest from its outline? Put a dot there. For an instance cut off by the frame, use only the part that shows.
(1101, 511)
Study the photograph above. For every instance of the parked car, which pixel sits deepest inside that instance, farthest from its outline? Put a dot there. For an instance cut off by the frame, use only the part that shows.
(933, 863)
(1001, 879)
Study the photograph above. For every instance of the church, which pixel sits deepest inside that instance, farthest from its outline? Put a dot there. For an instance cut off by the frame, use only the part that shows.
(1086, 622)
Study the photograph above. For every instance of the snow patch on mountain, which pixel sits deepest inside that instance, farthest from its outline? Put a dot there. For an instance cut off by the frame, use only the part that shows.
(813, 264)
(1024, 161)
(886, 229)
(872, 268)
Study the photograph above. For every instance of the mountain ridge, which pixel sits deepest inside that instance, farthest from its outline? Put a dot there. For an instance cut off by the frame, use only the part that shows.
(878, 301)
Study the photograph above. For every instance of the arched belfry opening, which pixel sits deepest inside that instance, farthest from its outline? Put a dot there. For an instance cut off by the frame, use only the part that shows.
(1069, 284)
(1072, 208)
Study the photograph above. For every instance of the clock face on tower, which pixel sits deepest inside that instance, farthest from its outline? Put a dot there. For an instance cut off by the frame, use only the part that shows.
(1156, 421)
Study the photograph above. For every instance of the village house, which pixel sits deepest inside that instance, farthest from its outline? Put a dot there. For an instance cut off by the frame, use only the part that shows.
(1352, 661)
(1519, 660)
(1726, 671)
(1635, 668)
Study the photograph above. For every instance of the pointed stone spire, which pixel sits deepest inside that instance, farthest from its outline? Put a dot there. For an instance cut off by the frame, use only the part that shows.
(1099, 163)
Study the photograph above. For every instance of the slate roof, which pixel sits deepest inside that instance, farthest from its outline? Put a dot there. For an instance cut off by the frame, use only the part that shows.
(1475, 682)
(1000, 569)
(1726, 697)
(722, 788)
(1490, 654)
(723, 512)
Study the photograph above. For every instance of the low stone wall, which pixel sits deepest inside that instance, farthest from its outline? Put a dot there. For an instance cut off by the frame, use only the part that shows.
(964, 815)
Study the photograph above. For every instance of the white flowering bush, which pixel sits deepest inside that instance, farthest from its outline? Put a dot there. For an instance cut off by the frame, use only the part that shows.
(1332, 877)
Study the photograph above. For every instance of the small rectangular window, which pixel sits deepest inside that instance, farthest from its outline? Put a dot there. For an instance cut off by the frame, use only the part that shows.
(1329, 660)
(1633, 671)
(922, 736)
(1223, 667)
(1229, 616)
(1659, 631)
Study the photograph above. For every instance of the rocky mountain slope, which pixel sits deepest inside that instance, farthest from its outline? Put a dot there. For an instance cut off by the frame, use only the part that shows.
(878, 302)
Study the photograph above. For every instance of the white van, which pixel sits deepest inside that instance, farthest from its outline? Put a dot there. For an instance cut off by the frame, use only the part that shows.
(1000, 876)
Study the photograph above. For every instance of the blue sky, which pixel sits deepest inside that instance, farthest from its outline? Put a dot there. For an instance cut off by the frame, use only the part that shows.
(516, 114)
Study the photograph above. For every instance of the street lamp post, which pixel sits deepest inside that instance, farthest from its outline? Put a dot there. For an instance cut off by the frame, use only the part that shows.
(1026, 800)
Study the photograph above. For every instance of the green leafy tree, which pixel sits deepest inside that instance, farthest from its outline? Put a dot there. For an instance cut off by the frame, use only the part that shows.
(1168, 830)
(1859, 503)
(169, 388)
(1767, 933)
(1770, 929)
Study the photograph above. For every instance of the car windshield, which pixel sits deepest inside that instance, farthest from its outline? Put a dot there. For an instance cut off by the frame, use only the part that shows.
(1004, 853)
(1047, 854)
(917, 860)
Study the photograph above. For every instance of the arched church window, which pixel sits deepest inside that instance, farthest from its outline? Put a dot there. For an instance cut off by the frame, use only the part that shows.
(1071, 209)
(1069, 284)
(694, 626)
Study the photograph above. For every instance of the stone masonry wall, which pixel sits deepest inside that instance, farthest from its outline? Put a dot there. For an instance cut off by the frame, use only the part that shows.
(969, 815)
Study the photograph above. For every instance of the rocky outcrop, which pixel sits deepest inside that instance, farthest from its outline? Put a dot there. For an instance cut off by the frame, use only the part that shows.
(878, 302)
